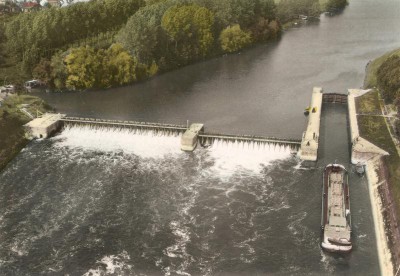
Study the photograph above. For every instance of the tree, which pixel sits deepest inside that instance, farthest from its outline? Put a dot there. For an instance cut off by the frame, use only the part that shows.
(291, 9)
(336, 4)
(233, 39)
(190, 28)
(143, 35)
(119, 67)
(58, 70)
(83, 67)
(42, 71)
(55, 28)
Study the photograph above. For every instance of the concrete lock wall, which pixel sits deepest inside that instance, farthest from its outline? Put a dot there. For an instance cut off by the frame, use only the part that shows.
(361, 149)
(310, 140)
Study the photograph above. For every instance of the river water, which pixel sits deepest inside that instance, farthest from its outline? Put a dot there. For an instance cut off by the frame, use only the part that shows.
(113, 202)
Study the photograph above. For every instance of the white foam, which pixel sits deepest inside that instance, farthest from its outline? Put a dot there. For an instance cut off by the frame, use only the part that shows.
(227, 157)
(233, 156)
(146, 144)
(114, 264)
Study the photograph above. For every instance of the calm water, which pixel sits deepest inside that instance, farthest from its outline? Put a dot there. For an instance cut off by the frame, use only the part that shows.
(263, 90)
(113, 202)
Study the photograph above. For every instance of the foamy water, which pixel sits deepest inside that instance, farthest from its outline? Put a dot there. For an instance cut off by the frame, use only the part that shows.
(233, 156)
(228, 157)
(146, 144)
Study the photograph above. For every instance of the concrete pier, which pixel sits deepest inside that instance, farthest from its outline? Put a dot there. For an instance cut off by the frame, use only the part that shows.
(189, 139)
(309, 143)
(44, 126)
(361, 149)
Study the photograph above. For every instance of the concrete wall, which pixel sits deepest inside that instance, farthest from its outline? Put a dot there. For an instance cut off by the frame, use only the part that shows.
(44, 126)
(310, 140)
(361, 149)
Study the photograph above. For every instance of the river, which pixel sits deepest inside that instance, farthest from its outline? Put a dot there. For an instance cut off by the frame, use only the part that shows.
(112, 202)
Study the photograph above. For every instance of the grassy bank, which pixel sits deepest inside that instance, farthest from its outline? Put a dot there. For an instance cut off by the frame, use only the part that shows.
(372, 68)
(12, 119)
(375, 130)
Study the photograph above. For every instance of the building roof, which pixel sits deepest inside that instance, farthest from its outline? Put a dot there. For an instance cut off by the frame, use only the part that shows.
(28, 5)
(44, 121)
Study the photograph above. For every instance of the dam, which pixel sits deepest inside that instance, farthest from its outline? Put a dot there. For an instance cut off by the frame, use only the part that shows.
(194, 135)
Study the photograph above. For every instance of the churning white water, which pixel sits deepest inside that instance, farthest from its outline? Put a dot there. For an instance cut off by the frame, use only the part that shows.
(227, 156)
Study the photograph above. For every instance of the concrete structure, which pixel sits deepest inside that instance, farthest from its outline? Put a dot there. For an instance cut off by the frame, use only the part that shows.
(361, 149)
(190, 138)
(309, 143)
(44, 126)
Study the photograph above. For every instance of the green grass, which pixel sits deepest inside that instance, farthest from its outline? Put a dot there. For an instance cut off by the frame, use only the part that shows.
(370, 80)
(12, 134)
(374, 129)
(368, 103)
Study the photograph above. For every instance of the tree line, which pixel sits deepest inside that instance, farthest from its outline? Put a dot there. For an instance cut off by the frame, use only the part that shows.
(29, 34)
(151, 36)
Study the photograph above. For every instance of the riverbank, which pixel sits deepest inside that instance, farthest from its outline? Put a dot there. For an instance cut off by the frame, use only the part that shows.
(374, 182)
(383, 173)
(13, 115)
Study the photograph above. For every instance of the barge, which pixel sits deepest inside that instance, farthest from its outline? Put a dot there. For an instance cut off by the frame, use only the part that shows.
(336, 220)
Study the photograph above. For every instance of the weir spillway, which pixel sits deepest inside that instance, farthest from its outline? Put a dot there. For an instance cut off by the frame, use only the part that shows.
(192, 136)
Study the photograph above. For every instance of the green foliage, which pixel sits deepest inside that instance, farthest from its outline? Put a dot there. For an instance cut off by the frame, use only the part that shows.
(118, 67)
(87, 67)
(143, 35)
(83, 66)
(336, 4)
(42, 71)
(288, 10)
(31, 35)
(388, 78)
(190, 29)
(264, 30)
(234, 38)
(58, 70)
(242, 12)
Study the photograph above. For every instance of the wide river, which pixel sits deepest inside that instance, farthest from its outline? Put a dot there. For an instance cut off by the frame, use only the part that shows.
(114, 202)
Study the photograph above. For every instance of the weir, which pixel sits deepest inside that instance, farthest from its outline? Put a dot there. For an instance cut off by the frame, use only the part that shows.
(191, 136)
(207, 139)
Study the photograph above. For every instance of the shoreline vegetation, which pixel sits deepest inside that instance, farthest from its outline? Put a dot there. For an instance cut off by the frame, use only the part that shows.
(121, 42)
(383, 78)
(14, 112)
(136, 40)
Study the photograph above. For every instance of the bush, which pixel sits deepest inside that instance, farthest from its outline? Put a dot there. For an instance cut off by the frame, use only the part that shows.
(233, 39)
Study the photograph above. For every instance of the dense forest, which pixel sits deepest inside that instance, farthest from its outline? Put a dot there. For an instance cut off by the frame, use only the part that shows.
(104, 43)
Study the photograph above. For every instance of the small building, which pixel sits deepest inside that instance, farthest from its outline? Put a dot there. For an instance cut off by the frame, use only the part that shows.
(30, 6)
(54, 3)
(44, 126)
